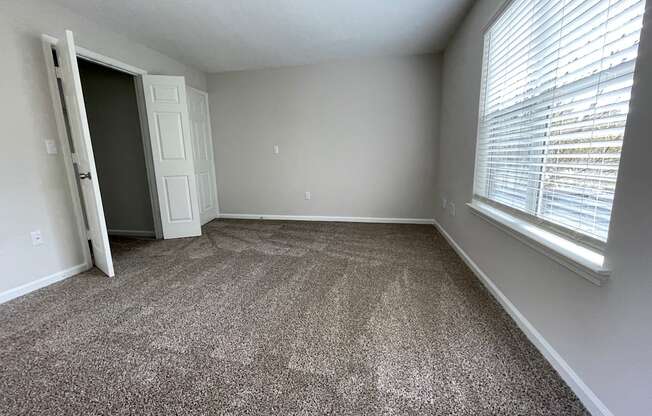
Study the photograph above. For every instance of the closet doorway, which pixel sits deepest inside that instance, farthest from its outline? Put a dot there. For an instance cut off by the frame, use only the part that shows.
(125, 181)
(118, 146)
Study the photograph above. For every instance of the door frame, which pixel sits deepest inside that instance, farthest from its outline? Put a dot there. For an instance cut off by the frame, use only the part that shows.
(48, 43)
(211, 152)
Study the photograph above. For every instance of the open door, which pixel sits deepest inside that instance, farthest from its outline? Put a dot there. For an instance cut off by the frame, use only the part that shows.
(169, 133)
(83, 153)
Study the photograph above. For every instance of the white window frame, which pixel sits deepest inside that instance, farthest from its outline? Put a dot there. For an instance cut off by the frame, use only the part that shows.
(578, 252)
(583, 260)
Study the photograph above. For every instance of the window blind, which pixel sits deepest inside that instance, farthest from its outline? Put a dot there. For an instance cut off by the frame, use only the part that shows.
(556, 84)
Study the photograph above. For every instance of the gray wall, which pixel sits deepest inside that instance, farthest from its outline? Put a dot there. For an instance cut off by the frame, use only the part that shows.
(33, 183)
(112, 112)
(604, 333)
(359, 135)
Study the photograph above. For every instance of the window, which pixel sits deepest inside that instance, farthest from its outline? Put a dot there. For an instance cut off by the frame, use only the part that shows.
(556, 85)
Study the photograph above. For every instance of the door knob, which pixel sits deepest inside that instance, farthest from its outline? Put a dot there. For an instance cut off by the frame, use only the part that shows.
(86, 175)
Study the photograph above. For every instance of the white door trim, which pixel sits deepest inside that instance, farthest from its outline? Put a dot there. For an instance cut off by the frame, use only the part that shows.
(48, 42)
(65, 151)
(98, 58)
(112, 63)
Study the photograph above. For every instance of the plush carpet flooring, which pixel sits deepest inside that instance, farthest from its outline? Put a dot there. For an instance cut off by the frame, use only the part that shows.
(274, 318)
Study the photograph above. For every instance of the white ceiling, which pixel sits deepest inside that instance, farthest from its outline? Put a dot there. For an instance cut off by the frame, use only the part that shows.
(226, 35)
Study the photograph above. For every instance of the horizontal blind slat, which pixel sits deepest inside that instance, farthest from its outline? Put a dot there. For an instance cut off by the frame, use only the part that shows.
(617, 109)
(556, 83)
(577, 44)
(574, 40)
(572, 175)
(548, 99)
(569, 83)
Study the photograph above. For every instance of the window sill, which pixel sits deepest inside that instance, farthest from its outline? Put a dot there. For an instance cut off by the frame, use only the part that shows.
(586, 262)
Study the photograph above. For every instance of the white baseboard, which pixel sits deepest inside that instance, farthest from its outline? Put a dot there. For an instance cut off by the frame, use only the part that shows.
(132, 233)
(10, 294)
(377, 220)
(581, 390)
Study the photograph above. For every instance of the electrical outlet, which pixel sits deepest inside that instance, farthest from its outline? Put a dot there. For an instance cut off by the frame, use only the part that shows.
(444, 202)
(51, 147)
(452, 208)
(308, 196)
(276, 149)
(37, 238)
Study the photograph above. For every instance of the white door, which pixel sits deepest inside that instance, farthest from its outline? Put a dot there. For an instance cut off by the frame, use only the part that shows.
(200, 129)
(83, 153)
(172, 154)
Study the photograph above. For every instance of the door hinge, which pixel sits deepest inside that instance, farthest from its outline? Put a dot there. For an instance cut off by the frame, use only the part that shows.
(58, 72)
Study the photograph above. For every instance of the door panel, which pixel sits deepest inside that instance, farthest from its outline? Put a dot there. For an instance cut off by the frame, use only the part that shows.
(83, 156)
(203, 154)
(169, 127)
(169, 132)
(177, 194)
(165, 94)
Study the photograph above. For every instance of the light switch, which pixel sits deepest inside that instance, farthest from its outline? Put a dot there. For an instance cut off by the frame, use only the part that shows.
(275, 149)
(308, 195)
(51, 147)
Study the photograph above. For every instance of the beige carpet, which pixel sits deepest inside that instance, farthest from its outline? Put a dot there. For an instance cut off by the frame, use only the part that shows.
(274, 318)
